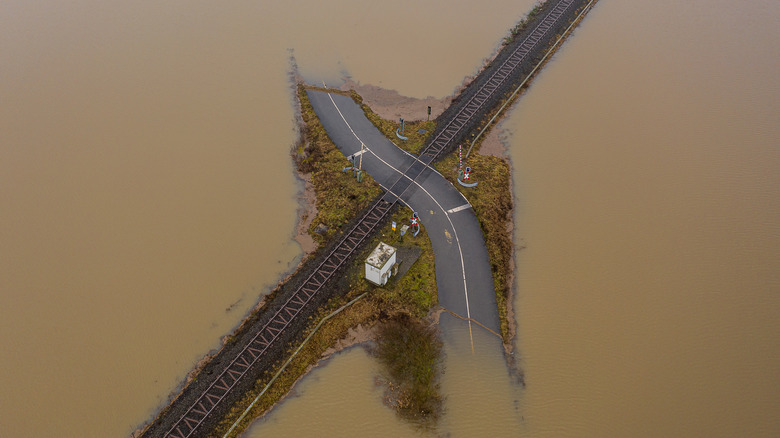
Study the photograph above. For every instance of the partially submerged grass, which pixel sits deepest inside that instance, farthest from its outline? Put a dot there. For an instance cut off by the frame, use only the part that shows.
(492, 199)
(408, 345)
(409, 297)
(492, 203)
(523, 24)
(339, 196)
(409, 348)
(410, 352)
(362, 312)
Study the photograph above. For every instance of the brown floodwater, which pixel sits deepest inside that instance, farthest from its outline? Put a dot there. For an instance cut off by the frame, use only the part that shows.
(647, 179)
(147, 200)
(147, 197)
(649, 291)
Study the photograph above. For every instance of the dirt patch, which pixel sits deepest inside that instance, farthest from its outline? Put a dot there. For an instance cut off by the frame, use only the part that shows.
(355, 335)
(496, 143)
(307, 210)
(511, 344)
(390, 105)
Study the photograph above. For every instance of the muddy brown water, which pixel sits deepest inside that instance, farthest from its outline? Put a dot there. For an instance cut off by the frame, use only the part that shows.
(649, 287)
(147, 200)
(649, 290)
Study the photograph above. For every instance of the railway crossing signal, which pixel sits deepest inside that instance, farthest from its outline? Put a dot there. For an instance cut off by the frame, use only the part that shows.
(355, 167)
(415, 224)
(399, 132)
(464, 178)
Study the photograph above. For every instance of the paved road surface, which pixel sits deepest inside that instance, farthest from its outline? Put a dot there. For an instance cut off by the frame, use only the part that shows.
(463, 273)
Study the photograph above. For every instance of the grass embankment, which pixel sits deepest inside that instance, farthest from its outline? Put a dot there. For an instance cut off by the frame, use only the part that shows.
(409, 298)
(410, 352)
(523, 24)
(492, 203)
(339, 197)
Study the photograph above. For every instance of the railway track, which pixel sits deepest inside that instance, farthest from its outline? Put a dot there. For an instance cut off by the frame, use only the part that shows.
(471, 111)
(464, 119)
(466, 115)
(205, 404)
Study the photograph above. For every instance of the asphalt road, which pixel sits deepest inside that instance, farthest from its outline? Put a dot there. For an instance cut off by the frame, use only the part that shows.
(463, 276)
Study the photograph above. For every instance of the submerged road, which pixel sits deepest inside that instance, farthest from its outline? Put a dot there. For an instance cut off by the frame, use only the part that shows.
(463, 275)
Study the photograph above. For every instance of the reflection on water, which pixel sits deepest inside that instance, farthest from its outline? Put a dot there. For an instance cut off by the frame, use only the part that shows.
(340, 399)
(343, 399)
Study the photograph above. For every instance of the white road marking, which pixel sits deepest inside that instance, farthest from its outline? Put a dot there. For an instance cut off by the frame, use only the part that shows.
(416, 158)
(457, 209)
(454, 231)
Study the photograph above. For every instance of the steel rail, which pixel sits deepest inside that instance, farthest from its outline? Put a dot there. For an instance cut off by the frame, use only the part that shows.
(471, 109)
(494, 82)
(530, 75)
(251, 353)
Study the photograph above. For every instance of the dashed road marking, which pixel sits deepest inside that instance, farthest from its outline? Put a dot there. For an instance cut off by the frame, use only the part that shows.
(457, 209)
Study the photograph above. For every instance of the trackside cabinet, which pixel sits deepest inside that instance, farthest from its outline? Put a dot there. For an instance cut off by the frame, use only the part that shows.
(379, 264)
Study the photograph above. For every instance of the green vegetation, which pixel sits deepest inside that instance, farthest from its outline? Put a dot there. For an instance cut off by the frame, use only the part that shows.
(407, 346)
(361, 312)
(492, 203)
(408, 298)
(410, 352)
(522, 24)
(491, 199)
(414, 293)
(339, 197)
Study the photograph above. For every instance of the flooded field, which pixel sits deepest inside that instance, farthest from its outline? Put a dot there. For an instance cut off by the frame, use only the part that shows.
(649, 285)
(148, 201)
(649, 290)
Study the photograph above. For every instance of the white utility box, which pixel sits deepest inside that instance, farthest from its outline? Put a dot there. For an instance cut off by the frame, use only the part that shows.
(380, 263)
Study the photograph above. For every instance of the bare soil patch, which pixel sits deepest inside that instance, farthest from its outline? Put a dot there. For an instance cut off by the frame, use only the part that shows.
(307, 210)
(390, 105)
